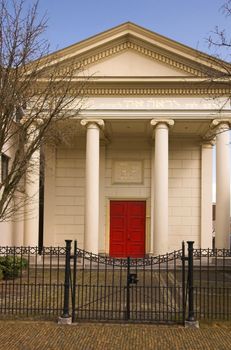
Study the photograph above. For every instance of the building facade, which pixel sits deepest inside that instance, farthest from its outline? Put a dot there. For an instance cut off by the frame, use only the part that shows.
(133, 175)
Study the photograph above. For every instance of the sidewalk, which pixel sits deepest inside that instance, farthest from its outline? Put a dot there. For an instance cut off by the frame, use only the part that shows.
(51, 336)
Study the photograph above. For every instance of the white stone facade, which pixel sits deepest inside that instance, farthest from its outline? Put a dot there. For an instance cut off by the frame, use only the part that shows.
(146, 133)
(184, 190)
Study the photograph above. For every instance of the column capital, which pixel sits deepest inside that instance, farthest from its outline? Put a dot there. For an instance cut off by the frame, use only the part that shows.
(97, 122)
(208, 143)
(221, 123)
(216, 126)
(167, 122)
(33, 123)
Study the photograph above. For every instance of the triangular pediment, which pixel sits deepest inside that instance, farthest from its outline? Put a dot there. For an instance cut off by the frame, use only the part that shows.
(132, 51)
(132, 64)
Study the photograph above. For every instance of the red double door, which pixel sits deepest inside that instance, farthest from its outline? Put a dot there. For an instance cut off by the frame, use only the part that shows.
(127, 229)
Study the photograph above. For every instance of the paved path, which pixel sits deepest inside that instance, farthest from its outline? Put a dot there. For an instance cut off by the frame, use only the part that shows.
(50, 336)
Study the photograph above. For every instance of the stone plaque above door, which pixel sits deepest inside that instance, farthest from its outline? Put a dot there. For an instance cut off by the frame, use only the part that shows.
(127, 171)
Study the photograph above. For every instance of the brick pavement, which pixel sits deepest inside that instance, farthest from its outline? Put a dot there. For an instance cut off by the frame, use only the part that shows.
(51, 336)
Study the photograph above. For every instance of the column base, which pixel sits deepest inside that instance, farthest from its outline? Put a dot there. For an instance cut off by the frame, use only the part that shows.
(64, 320)
(191, 324)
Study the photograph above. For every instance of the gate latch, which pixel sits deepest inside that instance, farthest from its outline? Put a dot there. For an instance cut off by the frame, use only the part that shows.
(132, 278)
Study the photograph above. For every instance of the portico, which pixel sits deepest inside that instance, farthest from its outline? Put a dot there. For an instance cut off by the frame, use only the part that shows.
(139, 161)
(136, 173)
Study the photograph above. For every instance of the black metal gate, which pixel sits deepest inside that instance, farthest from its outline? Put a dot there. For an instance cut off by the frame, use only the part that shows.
(37, 282)
(146, 290)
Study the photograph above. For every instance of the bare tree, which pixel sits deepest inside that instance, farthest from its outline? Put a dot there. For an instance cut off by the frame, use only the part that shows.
(35, 96)
(220, 42)
(219, 37)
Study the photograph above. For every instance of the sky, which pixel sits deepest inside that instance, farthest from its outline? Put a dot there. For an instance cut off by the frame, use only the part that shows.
(189, 22)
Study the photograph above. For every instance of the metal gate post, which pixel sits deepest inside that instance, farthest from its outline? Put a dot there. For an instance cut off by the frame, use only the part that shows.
(65, 317)
(74, 280)
(190, 321)
(127, 317)
(183, 282)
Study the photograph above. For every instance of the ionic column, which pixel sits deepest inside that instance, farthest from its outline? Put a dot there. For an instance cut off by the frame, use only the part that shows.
(152, 200)
(91, 235)
(160, 186)
(206, 194)
(31, 208)
(222, 228)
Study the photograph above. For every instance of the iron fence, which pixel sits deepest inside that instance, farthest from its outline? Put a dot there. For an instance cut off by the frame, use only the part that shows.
(147, 290)
(32, 281)
(192, 284)
(212, 284)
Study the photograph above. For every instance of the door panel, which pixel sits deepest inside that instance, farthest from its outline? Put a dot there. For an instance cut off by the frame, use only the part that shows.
(127, 228)
(117, 229)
